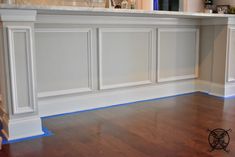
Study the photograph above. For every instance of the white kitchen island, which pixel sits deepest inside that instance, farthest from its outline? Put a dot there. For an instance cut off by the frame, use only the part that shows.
(57, 60)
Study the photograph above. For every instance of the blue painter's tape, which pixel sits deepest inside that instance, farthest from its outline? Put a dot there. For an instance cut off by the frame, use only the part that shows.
(46, 133)
(230, 97)
(220, 97)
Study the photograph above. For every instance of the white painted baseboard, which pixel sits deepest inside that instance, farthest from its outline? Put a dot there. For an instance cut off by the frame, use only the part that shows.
(21, 128)
(65, 104)
(230, 90)
(210, 88)
(60, 105)
(215, 89)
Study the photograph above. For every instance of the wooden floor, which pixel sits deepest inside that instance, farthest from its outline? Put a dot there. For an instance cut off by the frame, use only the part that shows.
(171, 127)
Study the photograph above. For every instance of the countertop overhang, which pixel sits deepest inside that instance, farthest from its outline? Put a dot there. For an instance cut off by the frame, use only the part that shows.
(110, 12)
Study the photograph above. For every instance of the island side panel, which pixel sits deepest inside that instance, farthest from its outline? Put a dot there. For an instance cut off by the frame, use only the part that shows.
(219, 57)
(123, 61)
(213, 53)
(206, 52)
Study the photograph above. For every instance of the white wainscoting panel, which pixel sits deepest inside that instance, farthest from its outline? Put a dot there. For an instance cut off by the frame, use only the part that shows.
(178, 52)
(21, 68)
(231, 55)
(126, 57)
(64, 61)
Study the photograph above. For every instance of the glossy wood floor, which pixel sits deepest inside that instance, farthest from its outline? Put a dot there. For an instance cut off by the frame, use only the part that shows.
(171, 127)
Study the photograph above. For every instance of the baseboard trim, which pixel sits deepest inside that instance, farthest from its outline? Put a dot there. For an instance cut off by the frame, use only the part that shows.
(21, 128)
(230, 90)
(67, 104)
(51, 106)
(46, 133)
(113, 106)
(210, 88)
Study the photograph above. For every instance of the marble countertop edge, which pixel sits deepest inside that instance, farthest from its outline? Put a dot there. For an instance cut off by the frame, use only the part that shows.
(107, 11)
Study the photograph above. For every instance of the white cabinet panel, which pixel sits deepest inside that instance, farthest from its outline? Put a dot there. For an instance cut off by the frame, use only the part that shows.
(63, 61)
(21, 62)
(125, 57)
(177, 54)
(231, 55)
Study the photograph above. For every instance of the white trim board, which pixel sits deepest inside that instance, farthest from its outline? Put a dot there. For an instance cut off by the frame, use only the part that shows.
(215, 21)
(21, 128)
(214, 89)
(230, 89)
(17, 15)
(60, 105)
(114, 20)
(66, 104)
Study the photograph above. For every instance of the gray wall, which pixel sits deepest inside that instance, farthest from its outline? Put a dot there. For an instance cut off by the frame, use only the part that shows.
(213, 53)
